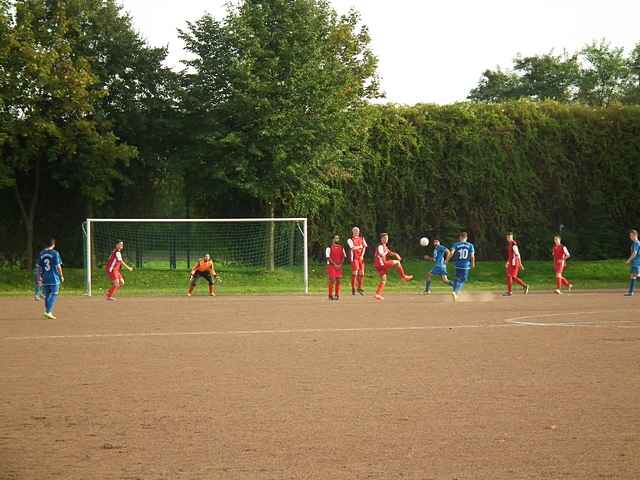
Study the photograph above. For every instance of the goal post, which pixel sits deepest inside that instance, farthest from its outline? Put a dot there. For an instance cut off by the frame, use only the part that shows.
(249, 252)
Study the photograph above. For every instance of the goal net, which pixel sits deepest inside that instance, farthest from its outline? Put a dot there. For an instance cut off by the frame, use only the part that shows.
(251, 255)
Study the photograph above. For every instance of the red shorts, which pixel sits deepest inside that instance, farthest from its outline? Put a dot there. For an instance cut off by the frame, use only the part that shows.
(115, 275)
(357, 266)
(383, 269)
(558, 267)
(513, 270)
(334, 272)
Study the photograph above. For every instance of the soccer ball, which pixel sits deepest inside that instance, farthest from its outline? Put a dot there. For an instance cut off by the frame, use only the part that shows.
(424, 241)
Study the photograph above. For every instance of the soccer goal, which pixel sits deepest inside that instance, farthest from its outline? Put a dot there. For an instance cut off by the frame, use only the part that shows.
(252, 255)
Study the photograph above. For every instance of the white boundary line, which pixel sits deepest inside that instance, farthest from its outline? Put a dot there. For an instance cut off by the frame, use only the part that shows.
(522, 320)
(509, 322)
(258, 332)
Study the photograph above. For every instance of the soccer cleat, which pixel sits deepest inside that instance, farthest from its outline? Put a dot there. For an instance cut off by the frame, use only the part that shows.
(379, 297)
(336, 298)
(506, 294)
(570, 287)
(361, 291)
(188, 294)
(212, 294)
(629, 294)
(353, 291)
(455, 296)
(49, 315)
(525, 289)
(557, 290)
(110, 299)
(331, 298)
(407, 278)
(427, 292)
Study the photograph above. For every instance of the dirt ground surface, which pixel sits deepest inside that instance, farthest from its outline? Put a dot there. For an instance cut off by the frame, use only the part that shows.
(535, 387)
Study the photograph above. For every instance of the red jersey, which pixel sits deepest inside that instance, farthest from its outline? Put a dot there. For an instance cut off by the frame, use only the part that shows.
(513, 254)
(335, 254)
(381, 255)
(560, 253)
(114, 263)
(358, 246)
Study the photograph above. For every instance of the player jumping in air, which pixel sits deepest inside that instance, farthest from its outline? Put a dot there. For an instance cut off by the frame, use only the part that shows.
(358, 246)
(205, 269)
(560, 257)
(441, 256)
(50, 267)
(112, 268)
(464, 254)
(383, 265)
(335, 259)
(634, 260)
(513, 266)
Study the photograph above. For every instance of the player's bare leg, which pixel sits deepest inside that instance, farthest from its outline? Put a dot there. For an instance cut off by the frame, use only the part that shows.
(337, 294)
(380, 289)
(212, 290)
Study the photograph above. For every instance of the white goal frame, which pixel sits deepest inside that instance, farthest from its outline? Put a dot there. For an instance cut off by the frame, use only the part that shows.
(89, 221)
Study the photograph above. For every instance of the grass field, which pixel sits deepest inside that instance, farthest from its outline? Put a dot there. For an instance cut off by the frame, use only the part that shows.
(488, 276)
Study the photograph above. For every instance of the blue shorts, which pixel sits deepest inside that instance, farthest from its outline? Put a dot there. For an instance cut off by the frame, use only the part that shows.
(439, 271)
(462, 274)
(635, 270)
(51, 289)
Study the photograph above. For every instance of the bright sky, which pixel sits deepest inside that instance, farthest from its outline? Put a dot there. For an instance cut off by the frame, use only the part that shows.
(435, 52)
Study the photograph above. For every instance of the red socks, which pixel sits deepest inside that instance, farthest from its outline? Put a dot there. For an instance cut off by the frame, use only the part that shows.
(360, 281)
(354, 281)
(337, 289)
(330, 290)
(380, 288)
(112, 291)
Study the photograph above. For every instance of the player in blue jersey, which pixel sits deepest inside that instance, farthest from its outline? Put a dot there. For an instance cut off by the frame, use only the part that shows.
(464, 254)
(441, 256)
(634, 260)
(50, 266)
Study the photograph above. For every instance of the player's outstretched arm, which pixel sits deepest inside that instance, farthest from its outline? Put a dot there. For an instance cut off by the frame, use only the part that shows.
(127, 266)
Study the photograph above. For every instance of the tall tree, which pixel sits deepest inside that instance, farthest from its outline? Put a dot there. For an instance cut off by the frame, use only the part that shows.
(497, 86)
(51, 132)
(604, 74)
(275, 92)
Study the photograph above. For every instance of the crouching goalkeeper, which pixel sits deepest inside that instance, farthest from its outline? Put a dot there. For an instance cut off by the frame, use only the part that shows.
(203, 269)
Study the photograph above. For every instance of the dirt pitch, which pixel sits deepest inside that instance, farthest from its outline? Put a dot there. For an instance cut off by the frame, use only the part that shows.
(537, 387)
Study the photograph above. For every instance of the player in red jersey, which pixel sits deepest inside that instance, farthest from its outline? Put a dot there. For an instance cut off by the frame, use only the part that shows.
(383, 265)
(560, 257)
(112, 268)
(335, 259)
(358, 246)
(513, 266)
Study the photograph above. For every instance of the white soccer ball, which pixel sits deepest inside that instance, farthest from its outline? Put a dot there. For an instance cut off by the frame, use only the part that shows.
(424, 241)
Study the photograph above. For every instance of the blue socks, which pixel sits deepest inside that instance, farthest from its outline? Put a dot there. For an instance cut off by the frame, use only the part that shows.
(632, 285)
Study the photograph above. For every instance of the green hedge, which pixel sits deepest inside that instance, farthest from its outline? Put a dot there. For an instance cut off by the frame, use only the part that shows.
(489, 168)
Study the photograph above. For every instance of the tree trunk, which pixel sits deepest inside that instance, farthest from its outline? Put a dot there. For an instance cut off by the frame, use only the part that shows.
(271, 241)
(28, 216)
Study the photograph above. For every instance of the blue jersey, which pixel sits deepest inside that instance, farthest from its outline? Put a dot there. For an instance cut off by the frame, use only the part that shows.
(48, 262)
(635, 248)
(439, 254)
(463, 253)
